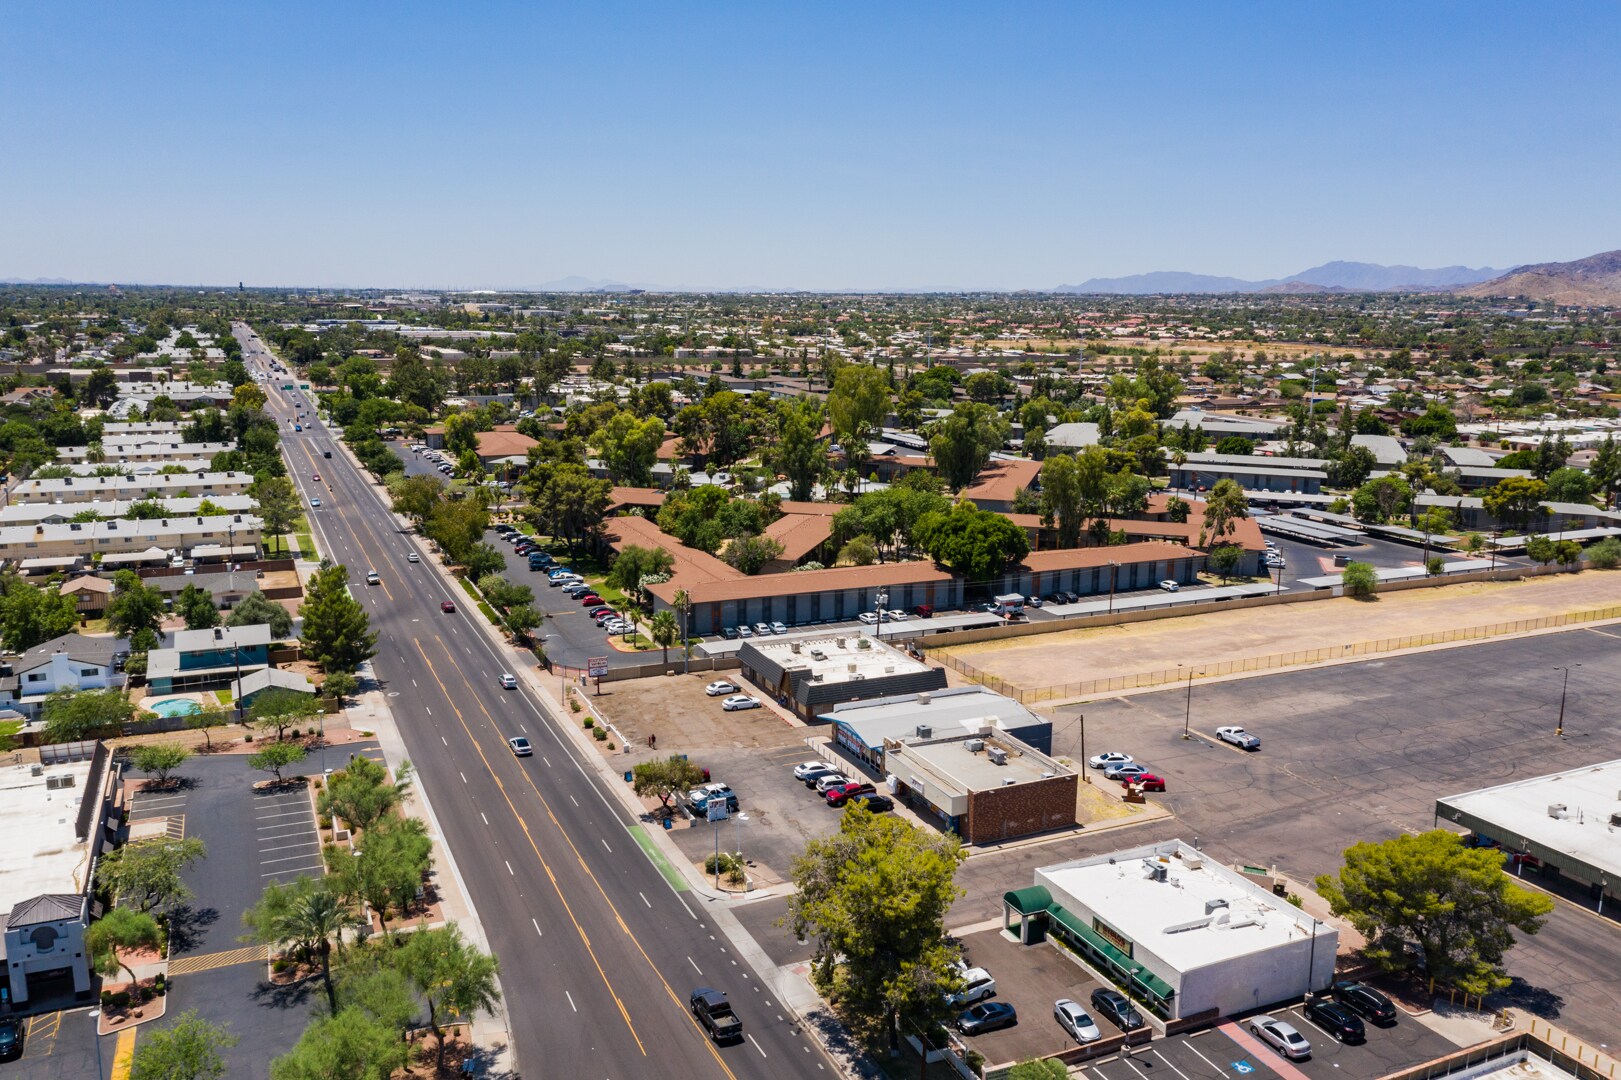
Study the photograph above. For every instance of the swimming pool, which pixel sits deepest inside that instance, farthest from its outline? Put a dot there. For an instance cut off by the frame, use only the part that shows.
(178, 706)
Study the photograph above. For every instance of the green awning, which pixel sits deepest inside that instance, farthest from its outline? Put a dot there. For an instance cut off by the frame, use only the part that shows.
(1031, 900)
(1145, 981)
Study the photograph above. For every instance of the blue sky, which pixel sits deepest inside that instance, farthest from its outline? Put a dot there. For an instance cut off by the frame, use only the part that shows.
(819, 145)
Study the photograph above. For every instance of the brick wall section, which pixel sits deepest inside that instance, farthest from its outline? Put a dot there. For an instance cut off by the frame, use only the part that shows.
(1020, 809)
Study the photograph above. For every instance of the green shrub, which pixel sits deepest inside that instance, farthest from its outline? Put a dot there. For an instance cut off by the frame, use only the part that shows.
(724, 860)
(590, 723)
(599, 734)
(1606, 554)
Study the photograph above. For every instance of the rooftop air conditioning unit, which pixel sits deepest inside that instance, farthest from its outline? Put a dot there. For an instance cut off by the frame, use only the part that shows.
(997, 755)
(889, 669)
(925, 731)
(65, 780)
(818, 654)
(973, 746)
(793, 646)
(36, 769)
(851, 665)
(1193, 862)
(1006, 780)
(1558, 810)
(839, 642)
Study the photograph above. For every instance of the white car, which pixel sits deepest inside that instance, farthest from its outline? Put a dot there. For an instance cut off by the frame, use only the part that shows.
(1238, 737)
(869, 617)
(778, 628)
(372, 578)
(315, 504)
(520, 746)
(411, 556)
(832, 780)
(1108, 758)
(719, 687)
(1281, 1036)
(1170, 586)
(508, 681)
(740, 701)
(806, 769)
(895, 616)
(977, 986)
(1075, 1020)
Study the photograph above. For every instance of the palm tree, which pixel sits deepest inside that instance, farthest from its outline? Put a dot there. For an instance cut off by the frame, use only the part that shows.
(664, 629)
(307, 914)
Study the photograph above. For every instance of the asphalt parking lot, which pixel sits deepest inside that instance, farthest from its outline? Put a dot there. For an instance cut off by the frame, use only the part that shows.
(1031, 979)
(1360, 752)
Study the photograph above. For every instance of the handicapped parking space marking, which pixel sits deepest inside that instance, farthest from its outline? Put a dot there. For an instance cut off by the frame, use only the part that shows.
(1242, 1067)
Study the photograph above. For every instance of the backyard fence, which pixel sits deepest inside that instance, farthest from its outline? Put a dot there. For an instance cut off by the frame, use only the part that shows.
(1027, 695)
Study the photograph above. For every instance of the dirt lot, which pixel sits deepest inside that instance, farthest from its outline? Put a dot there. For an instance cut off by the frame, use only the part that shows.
(675, 709)
(1105, 652)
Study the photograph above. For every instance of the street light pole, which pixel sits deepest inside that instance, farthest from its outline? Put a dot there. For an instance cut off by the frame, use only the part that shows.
(1559, 728)
(1086, 774)
(1187, 713)
(883, 601)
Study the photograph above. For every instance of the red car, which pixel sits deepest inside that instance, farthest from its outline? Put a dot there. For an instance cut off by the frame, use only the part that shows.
(590, 599)
(923, 611)
(1147, 781)
(838, 796)
(448, 607)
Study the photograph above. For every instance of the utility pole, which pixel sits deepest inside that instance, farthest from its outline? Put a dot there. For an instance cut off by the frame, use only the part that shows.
(1559, 729)
(1086, 774)
(1187, 712)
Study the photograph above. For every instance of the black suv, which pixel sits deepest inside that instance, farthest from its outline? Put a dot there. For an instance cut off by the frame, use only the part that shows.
(1118, 1008)
(1336, 1019)
(715, 1013)
(1366, 1002)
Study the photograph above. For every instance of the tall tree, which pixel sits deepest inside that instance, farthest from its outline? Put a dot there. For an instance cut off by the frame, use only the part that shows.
(1225, 505)
(135, 605)
(278, 504)
(799, 454)
(973, 543)
(635, 564)
(873, 899)
(256, 609)
(1515, 500)
(348, 1045)
(146, 874)
(30, 616)
(1430, 902)
(185, 1048)
(121, 929)
(196, 605)
(337, 632)
(452, 975)
(304, 913)
(857, 405)
(963, 443)
(630, 447)
(72, 715)
(1062, 501)
(666, 632)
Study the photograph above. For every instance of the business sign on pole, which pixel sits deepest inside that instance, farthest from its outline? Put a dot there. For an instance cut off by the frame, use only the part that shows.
(715, 810)
(597, 666)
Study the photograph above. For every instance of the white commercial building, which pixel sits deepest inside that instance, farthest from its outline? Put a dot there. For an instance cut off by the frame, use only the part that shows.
(1565, 822)
(1182, 934)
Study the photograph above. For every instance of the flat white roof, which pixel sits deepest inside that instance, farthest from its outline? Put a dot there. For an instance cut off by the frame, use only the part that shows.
(1581, 830)
(838, 663)
(41, 854)
(956, 770)
(1170, 918)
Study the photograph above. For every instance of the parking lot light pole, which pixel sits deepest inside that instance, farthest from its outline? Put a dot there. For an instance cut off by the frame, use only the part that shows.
(1559, 728)
(1187, 712)
(883, 601)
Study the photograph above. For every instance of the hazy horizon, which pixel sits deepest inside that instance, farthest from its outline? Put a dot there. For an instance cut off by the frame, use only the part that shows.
(825, 148)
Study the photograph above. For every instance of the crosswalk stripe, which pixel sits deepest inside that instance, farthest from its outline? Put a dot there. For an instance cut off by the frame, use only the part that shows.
(189, 965)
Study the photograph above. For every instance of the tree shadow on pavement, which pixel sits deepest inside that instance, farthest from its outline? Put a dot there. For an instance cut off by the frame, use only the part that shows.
(1537, 1000)
(291, 996)
(185, 922)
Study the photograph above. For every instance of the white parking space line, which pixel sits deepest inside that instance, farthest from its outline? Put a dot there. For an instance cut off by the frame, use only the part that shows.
(1204, 1059)
(291, 870)
(571, 1004)
(289, 847)
(1171, 1063)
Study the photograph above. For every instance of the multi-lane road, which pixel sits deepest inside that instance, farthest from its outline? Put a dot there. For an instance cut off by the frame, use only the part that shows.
(597, 952)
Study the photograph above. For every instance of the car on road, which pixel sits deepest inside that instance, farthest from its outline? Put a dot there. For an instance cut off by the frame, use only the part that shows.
(372, 578)
(1076, 1020)
(1147, 781)
(315, 504)
(448, 607)
(762, 629)
(987, 1016)
(411, 556)
(1238, 737)
(1127, 771)
(1281, 1036)
(520, 746)
(508, 681)
(1336, 1019)
(838, 796)
(714, 1014)
(316, 477)
(721, 686)
(874, 803)
(1115, 1007)
(1170, 586)
(868, 617)
(740, 701)
(977, 985)
(11, 1038)
(1366, 1002)
(778, 628)
(1107, 758)
(298, 427)
(824, 784)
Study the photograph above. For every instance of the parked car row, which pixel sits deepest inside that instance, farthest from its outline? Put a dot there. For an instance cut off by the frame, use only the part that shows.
(1076, 1022)
(868, 618)
(838, 789)
(1120, 767)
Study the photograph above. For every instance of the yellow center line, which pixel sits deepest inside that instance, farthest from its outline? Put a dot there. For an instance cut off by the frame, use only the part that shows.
(556, 886)
(563, 832)
(124, 1054)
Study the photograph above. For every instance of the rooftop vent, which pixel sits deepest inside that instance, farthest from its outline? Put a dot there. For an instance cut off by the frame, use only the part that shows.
(1006, 780)
(851, 666)
(1558, 810)
(1210, 906)
(793, 646)
(923, 698)
(997, 755)
(973, 746)
(925, 731)
(818, 654)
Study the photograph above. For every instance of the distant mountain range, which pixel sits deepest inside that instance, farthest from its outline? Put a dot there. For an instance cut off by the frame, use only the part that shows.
(1593, 280)
(1329, 277)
